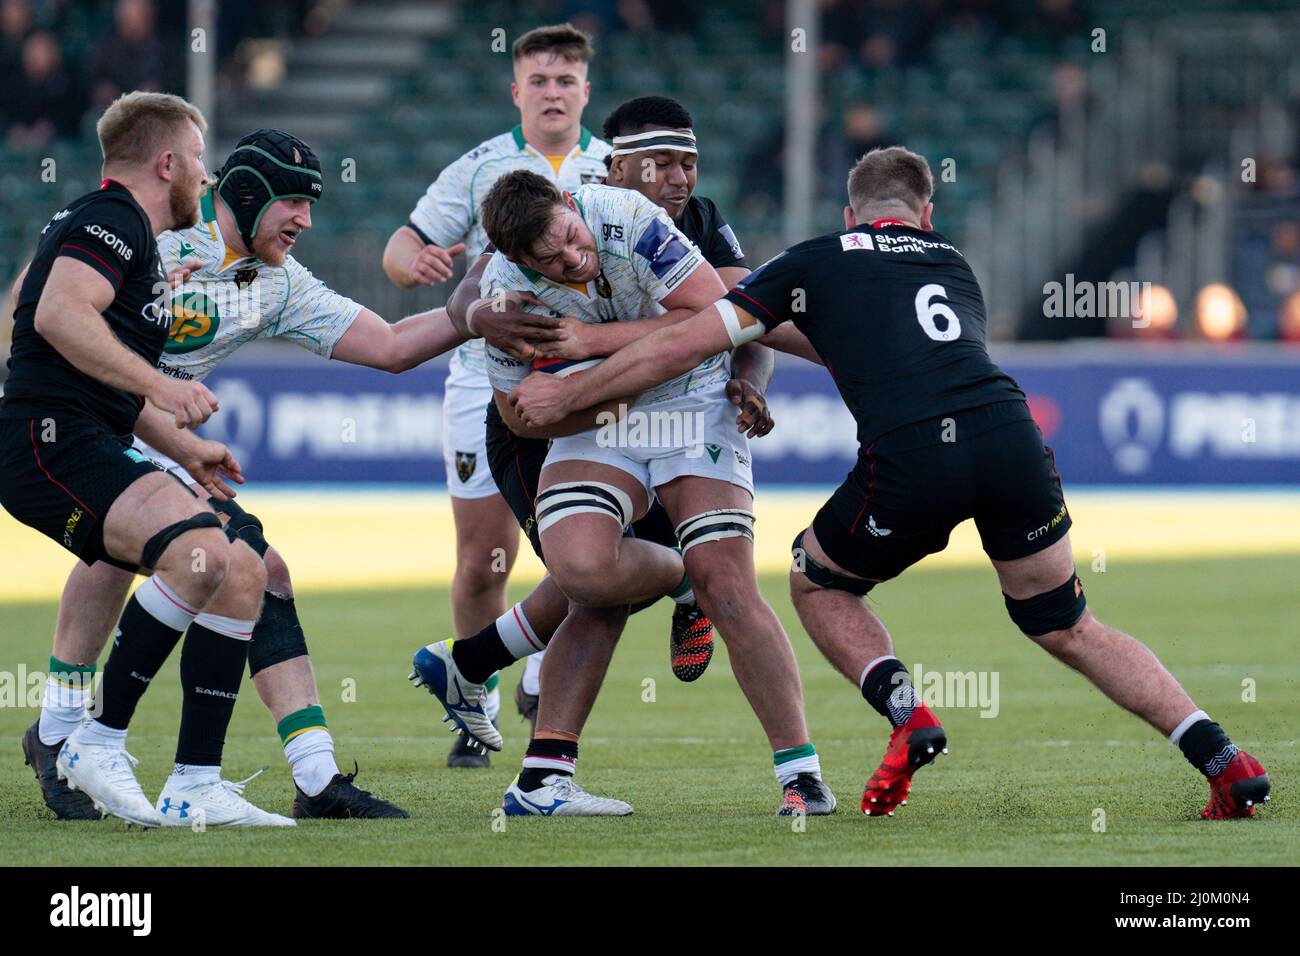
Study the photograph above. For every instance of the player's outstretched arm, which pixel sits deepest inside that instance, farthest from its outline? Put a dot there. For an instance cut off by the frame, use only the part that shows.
(541, 400)
(787, 338)
(70, 317)
(409, 262)
(403, 345)
(208, 462)
(573, 424)
(698, 291)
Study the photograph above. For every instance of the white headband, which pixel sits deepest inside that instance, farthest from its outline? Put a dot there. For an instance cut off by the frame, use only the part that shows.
(683, 142)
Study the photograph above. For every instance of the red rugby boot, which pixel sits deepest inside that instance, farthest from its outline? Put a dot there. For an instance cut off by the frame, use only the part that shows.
(911, 746)
(690, 643)
(1238, 790)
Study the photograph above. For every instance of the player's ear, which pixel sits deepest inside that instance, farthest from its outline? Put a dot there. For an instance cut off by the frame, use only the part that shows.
(568, 201)
(514, 93)
(165, 165)
(850, 220)
(926, 224)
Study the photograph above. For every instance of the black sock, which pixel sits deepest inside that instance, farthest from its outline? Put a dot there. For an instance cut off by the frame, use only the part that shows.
(141, 646)
(212, 667)
(888, 688)
(481, 655)
(1207, 747)
(546, 749)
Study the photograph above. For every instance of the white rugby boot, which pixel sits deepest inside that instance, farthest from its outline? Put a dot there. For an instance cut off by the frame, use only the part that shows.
(213, 803)
(559, 796)
(104, 772)
(463, 700)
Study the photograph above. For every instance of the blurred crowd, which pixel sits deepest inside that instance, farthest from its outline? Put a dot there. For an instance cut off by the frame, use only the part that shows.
(60, 60)
(63, 61)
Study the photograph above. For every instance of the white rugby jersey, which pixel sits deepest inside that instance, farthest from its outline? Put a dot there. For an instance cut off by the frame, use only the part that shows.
(229, 300)
(448, 211)
(643, 257)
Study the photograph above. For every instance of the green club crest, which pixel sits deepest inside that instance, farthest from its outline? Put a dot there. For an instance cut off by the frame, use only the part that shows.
(195, 321)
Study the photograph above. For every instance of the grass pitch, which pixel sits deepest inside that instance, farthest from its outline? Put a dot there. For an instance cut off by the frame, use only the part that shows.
(1027, 786)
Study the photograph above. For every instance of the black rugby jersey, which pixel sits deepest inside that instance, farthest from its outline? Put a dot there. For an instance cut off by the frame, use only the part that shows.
(897, 315)
(108, 231)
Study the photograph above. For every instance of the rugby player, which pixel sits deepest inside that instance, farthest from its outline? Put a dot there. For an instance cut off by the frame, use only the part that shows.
(655, 154)
(609, 255)
(944, 435)
(87, 338)
(240, 284)
(550, 89)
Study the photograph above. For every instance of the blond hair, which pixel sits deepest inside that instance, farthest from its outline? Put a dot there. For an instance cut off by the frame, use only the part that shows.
(137, 125)
(890, 176)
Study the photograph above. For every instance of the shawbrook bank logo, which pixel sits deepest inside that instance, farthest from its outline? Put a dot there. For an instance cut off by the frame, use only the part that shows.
(1137, 422)
(77, 909)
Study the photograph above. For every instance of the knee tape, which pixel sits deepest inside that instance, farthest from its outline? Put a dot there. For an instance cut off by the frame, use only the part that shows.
(243, 526)
(714, 526)
(155, 546)
(1054, 610)
(582, 497)
(278, 636)
(824, 577)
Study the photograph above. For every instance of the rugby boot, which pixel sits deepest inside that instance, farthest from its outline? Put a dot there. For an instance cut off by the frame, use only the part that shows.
(106, 774)
(343, 800)
(526, 704)
(1242, 786)
(67, 804)
(213, 803)
(559, 796)
(468, 752)
(911, 746)
(690, 642)
(463, 700)
(806, 794)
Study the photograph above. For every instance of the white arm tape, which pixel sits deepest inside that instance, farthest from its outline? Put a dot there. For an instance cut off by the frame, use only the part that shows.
(737, 335)
(469, 318)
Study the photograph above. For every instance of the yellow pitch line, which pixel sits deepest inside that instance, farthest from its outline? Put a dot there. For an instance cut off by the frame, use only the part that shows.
(365, 539)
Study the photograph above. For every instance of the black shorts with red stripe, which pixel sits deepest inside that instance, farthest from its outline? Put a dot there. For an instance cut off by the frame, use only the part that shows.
(60, 473)
(916, 483)
(516, 465)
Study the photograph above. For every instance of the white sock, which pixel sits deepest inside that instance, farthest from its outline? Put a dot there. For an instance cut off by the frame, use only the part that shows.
(492, 704)
(192, 775)
(1186, 724)
(789, 769)
(517, 634)
(311, 758)
(532, 679)
(93, 732)
(62, 710)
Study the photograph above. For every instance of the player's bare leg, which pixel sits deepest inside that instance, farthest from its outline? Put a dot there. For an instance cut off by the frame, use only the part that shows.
(584, 507)
(487, 543)
(1126, 671)
(858, 645)
(586, 552)
(725, 582)
(577, 659)
(88, 610)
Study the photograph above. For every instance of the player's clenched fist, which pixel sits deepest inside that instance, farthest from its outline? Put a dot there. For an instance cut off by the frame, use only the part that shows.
(191, 402)
(433, 264)
(540, 400)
